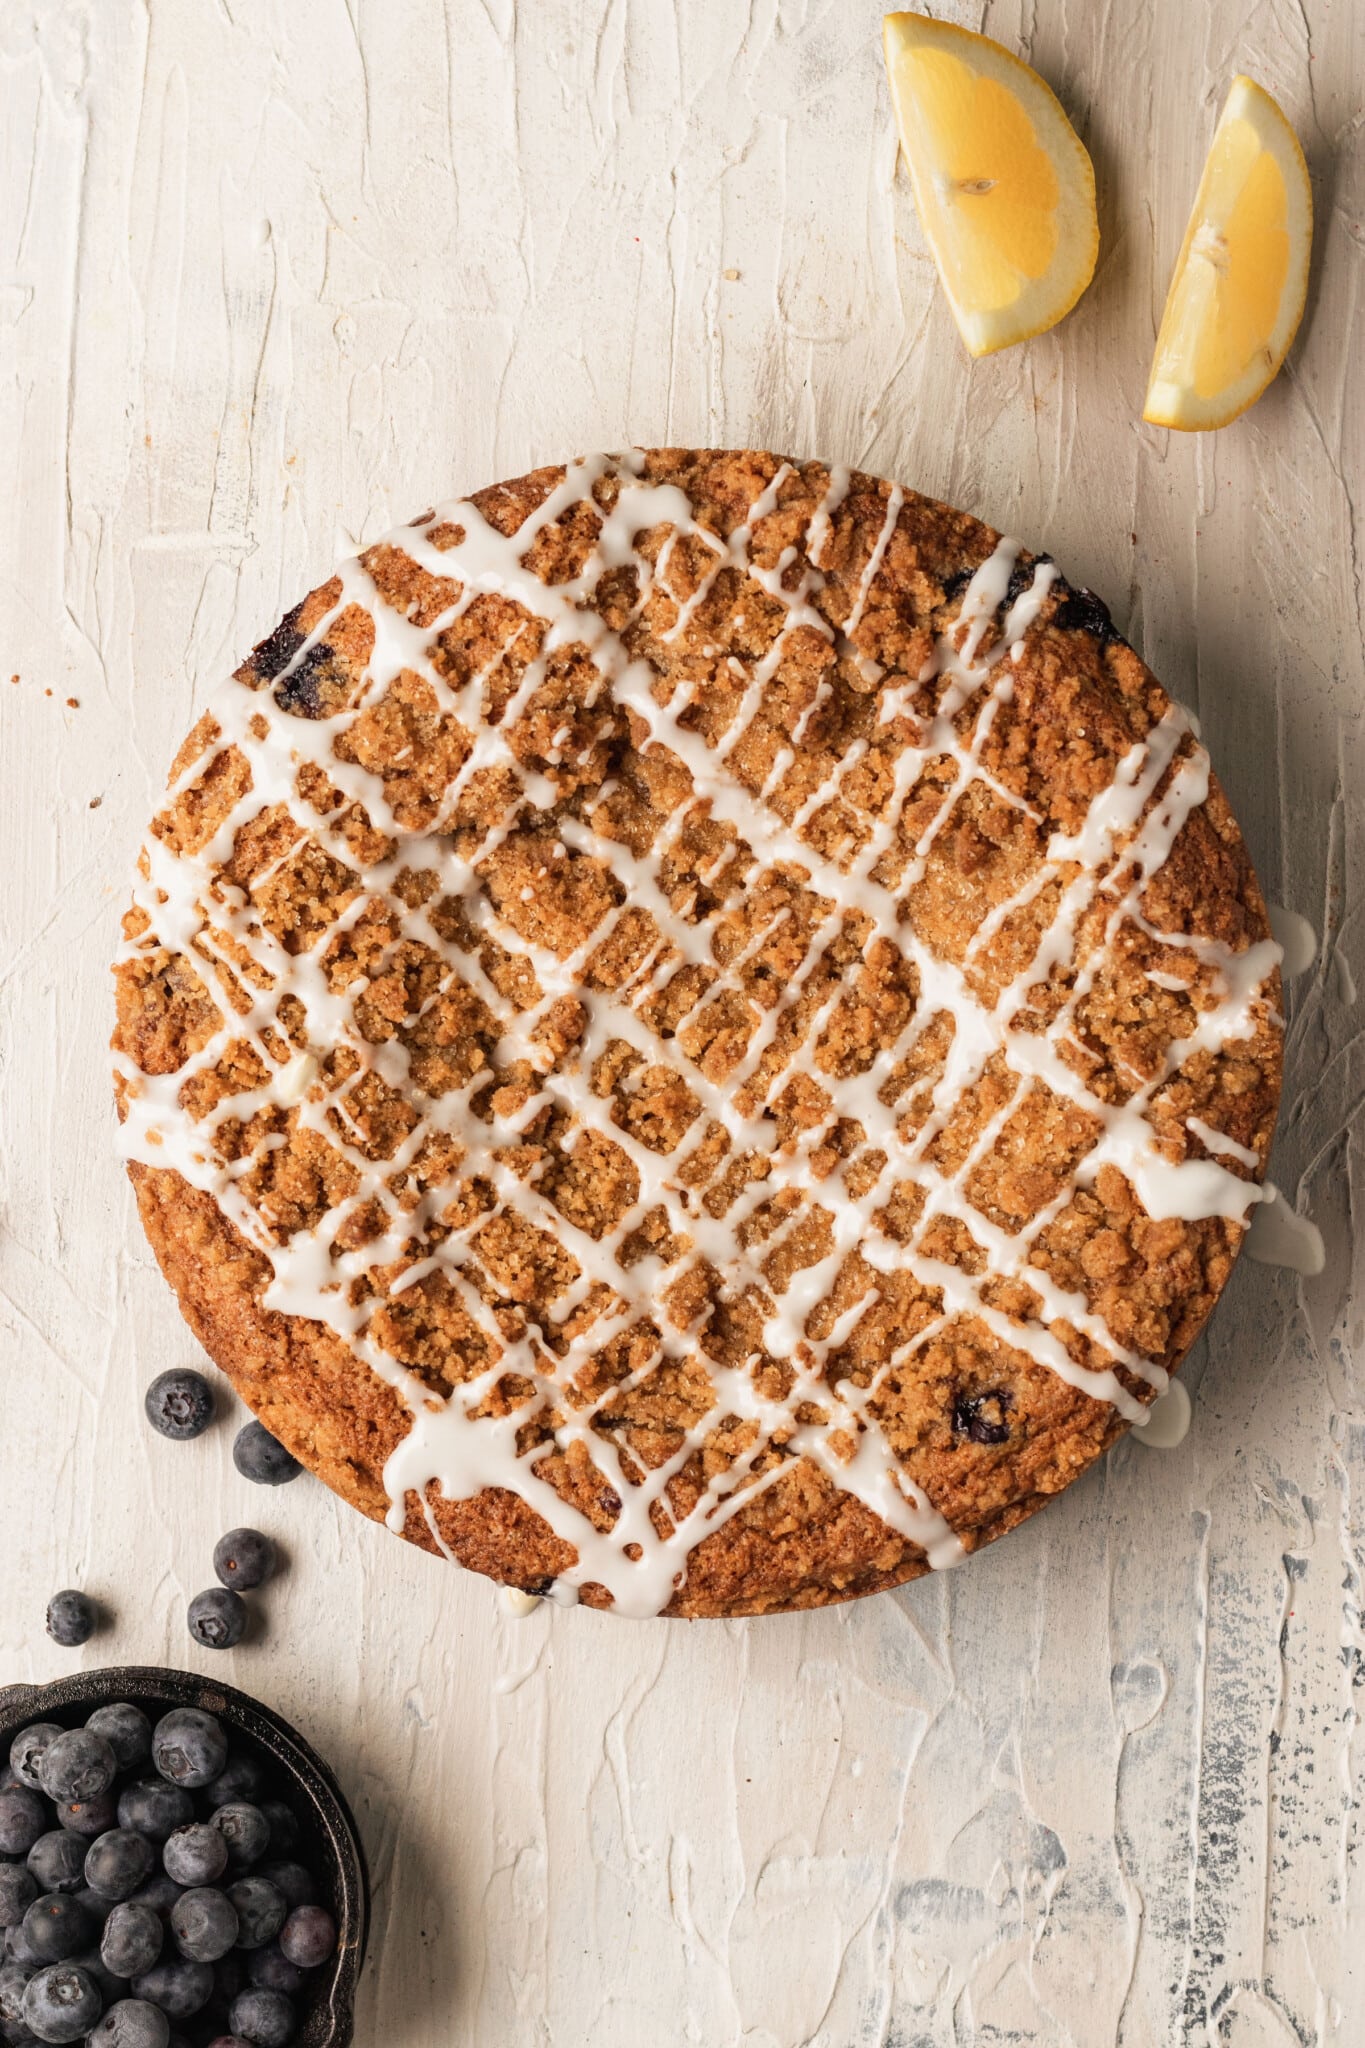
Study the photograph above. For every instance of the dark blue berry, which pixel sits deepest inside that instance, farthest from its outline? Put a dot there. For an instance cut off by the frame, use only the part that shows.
(245, 1829)
(189, 1748)
(242, 1777)
(196, 1855)
(132, 1940)
(127, 1731)
(271, 1969)
(262, 1458)
(243, 1559)
(77, 1765)
(118, 1862)
(261, 1910)
(58, 1927)
(177, 1985)
(70, 1618)
(88, 1817)
(132, 2023)
(19, 1949)
(309, 1936)
(264, 2018)
(26, 1752)
(13, 1980)
(61, 2003)
(23, 1818)
(284, 1826)
(179, 1404)
(152, 1807)
(204, 1923)
(18, 1889)
(217, 1618)
(293, 1880)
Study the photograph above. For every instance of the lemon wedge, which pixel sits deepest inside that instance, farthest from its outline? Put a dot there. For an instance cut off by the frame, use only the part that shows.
(1005, 190)
(1237, 295)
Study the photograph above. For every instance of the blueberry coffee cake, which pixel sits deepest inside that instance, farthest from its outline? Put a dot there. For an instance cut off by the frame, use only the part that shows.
(696, 1032)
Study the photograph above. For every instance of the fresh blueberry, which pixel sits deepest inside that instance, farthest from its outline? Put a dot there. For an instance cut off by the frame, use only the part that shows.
(58, 1927)
(127, 1731)
(132, 1940)
(61, 2003)
(132, 2023)
(179, 1404)
(18, 1889)
(196, 1855)
(204, 1923)
(152, 1807)
(189, 1748)
(242, 1777)
(271, 1970)
(261, 1910)
(19, 1949)
(23, 1818)
(243, 1559)
(264, 2018)
(77, 1765)
(160, 1893)
(297, 1884)
(26, 1751)
(177, 1985)
(70, 1618)
(262, 1458)
(88, 1817)
(284, 1826)
(217, 1618)
(309, 1936)
(13, 1980)
(245, 1829)
(118, 1862)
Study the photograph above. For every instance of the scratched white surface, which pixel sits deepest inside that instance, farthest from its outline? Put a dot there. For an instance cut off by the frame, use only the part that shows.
(273, 276)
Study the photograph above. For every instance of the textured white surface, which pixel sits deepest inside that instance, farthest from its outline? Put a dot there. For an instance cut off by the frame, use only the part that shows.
(272, 277)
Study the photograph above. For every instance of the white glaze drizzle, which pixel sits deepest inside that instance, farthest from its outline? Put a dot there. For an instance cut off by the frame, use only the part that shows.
(1123, 840)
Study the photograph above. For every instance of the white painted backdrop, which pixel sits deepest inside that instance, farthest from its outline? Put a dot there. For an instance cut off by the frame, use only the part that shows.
(273, 274)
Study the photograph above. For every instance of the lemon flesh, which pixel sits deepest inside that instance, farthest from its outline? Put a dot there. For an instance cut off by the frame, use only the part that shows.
(1241, 278)
(1003, 184)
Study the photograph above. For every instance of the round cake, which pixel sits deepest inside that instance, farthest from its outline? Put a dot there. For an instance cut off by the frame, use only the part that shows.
(696, 1032)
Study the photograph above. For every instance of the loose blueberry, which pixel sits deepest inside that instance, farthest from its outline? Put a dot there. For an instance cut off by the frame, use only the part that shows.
(132, 2023)
(70, 1618)
(196, 1855)
(243, 1559)
(217, 1618)
(179, 1404)
(61, 2003)
(241, 1778)
(132, 1940)
(57, 1861)
(127, 1731)
(263, 2018)
(19, 1949)
(77, 1765)
(261, 1911)
(293, 1880)
(309, 1936)
(118, 1862)
(88, 1817)
(284, 1826)
(177, 1985)
(189, 1748)
(23, 1818)
(271, 1969)
(58, 1927)
(204, 1923)
(262, 1458)
(245, 1829)
(152, 1807)
(18, 1890)
(14, 1979)
(26, 1752)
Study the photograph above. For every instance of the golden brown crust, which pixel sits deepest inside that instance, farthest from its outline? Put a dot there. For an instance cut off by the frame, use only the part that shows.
(987, 1432)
